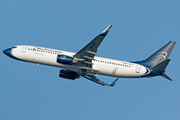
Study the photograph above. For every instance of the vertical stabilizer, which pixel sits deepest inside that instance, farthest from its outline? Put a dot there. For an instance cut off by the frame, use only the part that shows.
(159, 56)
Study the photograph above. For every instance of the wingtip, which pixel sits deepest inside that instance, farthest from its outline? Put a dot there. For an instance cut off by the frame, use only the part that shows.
(114, 82)
(173, 41)
(107, 29)
(105, 32)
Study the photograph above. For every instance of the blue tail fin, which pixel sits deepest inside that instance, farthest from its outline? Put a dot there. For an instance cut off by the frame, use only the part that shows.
(159, 56)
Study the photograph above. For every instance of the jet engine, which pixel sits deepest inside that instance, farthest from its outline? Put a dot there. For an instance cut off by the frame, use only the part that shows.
(68, 74)
(64, 59)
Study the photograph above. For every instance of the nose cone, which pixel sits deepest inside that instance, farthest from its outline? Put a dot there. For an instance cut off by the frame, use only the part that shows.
(7, 52)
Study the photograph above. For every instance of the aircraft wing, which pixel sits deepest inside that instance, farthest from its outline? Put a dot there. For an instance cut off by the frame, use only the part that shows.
(86, 54)
(96, 80)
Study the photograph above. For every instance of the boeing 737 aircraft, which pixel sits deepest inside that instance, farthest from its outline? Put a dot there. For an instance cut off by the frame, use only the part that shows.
(86, 64)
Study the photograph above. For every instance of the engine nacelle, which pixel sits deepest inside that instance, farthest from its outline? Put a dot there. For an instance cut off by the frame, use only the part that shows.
(68, 74)
(64, 59)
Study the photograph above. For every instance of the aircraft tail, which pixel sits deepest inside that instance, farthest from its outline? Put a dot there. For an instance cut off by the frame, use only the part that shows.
(159, 56)
(159, 60)
(160, 68)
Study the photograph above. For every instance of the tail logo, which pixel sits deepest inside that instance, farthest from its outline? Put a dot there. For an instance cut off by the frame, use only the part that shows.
(160, 56)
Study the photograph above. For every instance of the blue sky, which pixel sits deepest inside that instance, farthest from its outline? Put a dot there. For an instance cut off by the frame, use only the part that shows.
(140, 27)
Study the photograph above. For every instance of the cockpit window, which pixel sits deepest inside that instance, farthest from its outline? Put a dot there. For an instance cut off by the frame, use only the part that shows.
(14, 47)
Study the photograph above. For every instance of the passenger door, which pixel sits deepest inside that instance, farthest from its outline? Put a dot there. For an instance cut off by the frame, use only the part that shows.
(24, 49)
(138, 68)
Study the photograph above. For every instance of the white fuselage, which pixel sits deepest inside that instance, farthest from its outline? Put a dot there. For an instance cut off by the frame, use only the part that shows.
(101, 65)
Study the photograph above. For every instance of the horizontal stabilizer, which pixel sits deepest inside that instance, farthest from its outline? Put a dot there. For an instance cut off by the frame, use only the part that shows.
(161, 66)
(165, 76)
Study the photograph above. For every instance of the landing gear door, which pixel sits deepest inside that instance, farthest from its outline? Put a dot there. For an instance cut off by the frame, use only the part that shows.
(138, 69)
(24, 49)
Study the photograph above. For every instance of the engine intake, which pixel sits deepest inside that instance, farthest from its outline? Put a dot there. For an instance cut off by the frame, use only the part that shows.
(64, 59)
(68, 74)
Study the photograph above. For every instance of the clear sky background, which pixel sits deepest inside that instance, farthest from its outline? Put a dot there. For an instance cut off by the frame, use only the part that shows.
(140, 27)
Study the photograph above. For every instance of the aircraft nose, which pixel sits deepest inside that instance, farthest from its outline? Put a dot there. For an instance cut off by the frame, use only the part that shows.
(7, 51)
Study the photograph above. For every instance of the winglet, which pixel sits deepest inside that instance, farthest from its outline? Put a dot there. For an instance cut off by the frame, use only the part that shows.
(114, 82)
(105, 32)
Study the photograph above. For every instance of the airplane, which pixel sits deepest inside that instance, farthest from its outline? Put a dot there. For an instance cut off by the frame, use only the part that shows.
(85, 62)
